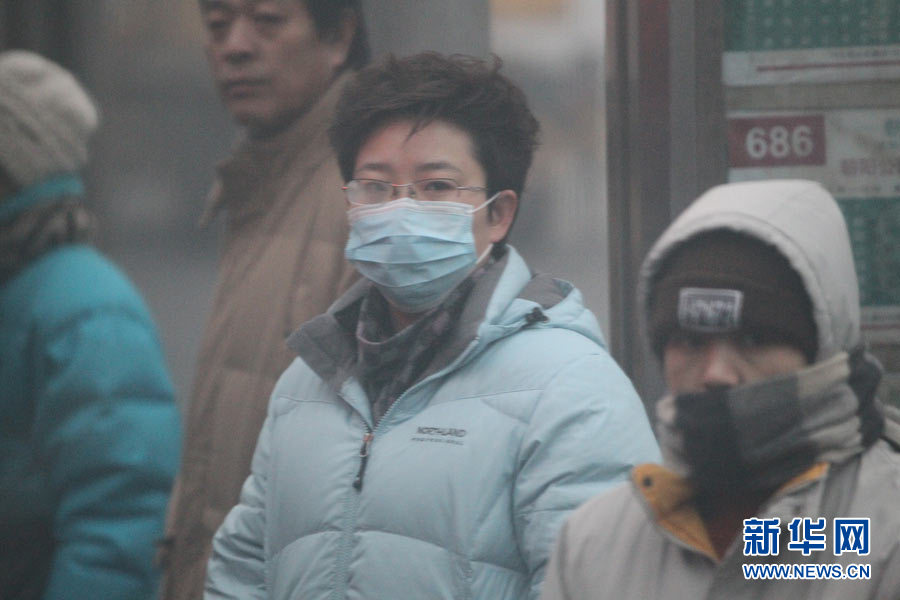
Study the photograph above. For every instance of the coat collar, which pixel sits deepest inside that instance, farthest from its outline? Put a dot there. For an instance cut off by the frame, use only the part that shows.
(255, 162)
(668, 500)
(327, 343)
(48, 191)
(499, 305)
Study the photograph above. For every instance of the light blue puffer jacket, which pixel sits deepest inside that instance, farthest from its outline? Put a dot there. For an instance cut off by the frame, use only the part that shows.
(467, 477)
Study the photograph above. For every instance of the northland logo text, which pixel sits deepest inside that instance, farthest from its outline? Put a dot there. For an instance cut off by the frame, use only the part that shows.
(443, 435)
(441, 431)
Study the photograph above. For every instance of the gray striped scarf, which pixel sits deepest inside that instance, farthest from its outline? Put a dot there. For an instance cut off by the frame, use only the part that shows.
(758, 436)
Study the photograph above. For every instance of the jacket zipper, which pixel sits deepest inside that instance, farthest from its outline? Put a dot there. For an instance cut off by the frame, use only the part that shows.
(370, 434)
(363, 458)
(344, 552)
(534, 316)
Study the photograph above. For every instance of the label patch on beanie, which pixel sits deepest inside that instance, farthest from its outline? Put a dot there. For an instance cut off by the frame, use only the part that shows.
(709, 309)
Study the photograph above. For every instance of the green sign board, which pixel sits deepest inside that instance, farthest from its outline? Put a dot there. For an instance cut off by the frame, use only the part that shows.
(855, 154)
(795, 41)
(753, 25)
(874, 226)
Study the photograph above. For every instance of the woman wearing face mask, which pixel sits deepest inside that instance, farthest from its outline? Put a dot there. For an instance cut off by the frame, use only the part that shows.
(445, 414)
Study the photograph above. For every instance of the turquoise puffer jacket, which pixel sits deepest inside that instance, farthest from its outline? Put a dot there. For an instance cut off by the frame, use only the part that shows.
(461, 488)
(90, 434)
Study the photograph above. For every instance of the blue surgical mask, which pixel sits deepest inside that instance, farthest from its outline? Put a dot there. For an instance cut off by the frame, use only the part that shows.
(414, 251)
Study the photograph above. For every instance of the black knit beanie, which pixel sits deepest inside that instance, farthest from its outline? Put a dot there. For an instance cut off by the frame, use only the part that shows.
(727, 282)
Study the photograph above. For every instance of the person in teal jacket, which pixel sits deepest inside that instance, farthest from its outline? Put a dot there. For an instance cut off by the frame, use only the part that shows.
(446, 413)
(90, 433)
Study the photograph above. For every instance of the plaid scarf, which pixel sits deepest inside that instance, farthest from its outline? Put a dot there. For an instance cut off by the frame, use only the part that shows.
(390, 363)
(40, 229)
(753, 438)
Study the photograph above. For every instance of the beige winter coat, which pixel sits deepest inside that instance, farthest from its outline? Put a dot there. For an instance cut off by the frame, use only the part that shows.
(282, 263)
(646, 540)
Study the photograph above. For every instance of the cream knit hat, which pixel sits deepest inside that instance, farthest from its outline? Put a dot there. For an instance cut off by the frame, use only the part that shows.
(46, 118)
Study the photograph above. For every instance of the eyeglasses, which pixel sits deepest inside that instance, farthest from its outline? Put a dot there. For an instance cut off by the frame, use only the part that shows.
(375, 191)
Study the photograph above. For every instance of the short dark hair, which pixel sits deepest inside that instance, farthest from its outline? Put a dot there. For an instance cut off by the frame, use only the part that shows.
(327, 15)
(464, 91)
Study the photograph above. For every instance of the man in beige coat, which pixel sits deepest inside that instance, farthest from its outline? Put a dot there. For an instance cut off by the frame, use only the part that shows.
(279, 66)
(782, 472)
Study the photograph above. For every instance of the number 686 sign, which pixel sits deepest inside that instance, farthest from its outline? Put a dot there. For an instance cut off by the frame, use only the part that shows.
(776, 141)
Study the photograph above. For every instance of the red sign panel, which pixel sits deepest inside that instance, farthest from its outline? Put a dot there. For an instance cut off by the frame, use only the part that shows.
(776, 141)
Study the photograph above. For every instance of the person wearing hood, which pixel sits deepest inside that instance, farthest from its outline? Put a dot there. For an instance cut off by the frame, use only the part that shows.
(90, 432)
(775, 446)
(452, 407)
